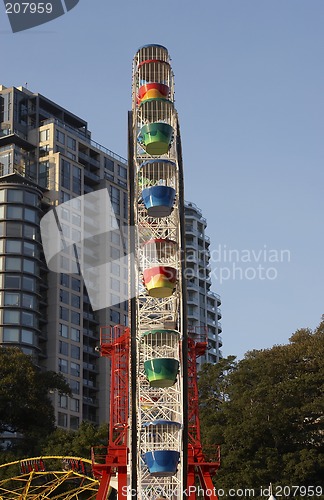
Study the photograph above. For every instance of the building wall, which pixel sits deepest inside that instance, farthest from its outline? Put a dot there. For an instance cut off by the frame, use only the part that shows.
(203, 304)
(48, 150)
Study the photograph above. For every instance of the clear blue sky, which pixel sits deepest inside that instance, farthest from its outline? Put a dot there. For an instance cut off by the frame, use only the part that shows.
(249, 91)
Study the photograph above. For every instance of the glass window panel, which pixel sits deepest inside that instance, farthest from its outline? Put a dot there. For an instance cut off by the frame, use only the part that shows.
(76, 219)
(76, 284)
(74, 422)
(27, 318)
(75, 386)
(31, 198)
(62, 419)
(75, 300)
(30, 232)
(29, 284)
(30, 249)
(12, 281)
(29, 266)
(11, 334)
(15, 195)
(11, 317)
(122, 172)
(74, 404)
(75, 352)
(75, 318)
(14, 212)
(64, 331)
(63, 365)
(28, 301)
(64, 313)
(14, 229)
(11, 299)
(13, 246)
(114, 316)
(64, 296)
(75, 369)
(60, 137)
(30, 215)
(63, 402)
(71, 143)
(65, 280)
(75, 334)
(27, 336)
(64, 348)
(13, 263)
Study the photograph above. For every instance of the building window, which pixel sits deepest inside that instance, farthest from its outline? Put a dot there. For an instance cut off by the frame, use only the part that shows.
(71, 143)
(65, 174)
(74, 404)
(29, 284)
(12, 281)
(13, 246)
(60, 137)
(64, 331)
(114, 316)
(11, 299)
(30, 215)
(115, 199)
(43, 173)
(62, 419)
(63, 366)
(63, 348)
(30, 249)
(64, 296)
(75, 334)
(44, 135)
(75, 301)
(12, 317)
(75, 318)
(14, 212)
(30, 232)
(74, 422)
(76, 184)
(109, 164)
(10, 334)
(29, 266)
(28, 301)
(115, 284)
(27, 336)
(122, 172)
(13, 264)
(15, 196)
(27, 318)
(75, 386)
(65, 280)
(64, 313)
(76, 284)
(63, 402)
(14, 229)
(75, 369)
(75, 352)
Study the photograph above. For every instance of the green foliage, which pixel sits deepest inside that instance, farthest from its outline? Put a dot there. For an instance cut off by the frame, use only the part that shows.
(25, 406)
(267, 412)
(75, 443)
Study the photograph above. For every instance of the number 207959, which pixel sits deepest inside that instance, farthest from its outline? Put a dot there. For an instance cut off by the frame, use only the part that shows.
(29, 8)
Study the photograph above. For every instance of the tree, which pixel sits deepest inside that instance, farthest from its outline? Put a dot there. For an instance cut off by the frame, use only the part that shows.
(25, 406)
(75, 443)
(267, 412)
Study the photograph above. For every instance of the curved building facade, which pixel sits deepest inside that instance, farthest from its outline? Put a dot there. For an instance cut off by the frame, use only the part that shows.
(20, 277)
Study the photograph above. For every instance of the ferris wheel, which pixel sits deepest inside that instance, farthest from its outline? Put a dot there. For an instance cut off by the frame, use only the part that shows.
(54, 477)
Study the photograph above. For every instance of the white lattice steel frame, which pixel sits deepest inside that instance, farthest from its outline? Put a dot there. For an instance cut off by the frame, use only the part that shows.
(156, 403)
